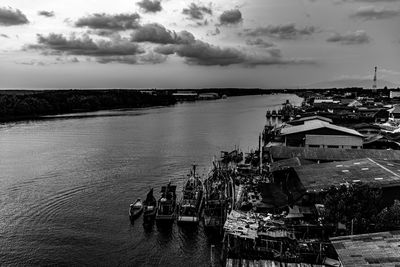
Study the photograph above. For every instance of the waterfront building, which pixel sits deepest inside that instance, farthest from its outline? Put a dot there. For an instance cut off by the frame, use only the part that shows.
(317, 133)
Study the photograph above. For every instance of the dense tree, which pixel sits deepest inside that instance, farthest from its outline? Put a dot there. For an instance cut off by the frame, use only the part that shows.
(353, 204)
(67, 101)
(389, 218)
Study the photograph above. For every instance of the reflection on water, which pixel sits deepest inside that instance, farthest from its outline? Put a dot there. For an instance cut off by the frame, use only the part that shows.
(66, 183)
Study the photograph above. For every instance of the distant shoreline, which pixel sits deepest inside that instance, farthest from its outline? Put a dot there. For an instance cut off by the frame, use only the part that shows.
(17, 105)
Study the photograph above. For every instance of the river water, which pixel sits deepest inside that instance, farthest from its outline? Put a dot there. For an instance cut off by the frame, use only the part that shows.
(66, 183)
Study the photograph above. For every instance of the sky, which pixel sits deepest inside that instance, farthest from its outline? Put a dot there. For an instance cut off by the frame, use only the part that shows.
(196, 44)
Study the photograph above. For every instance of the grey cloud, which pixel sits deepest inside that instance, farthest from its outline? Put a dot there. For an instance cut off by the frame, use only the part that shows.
(259, 42)
(31, 63)
(149, 6)
(5, 36)
(285, 31)
(153, 58)
(47, 14)
(196, 52)
(196, 11)
(233, 16)
(154, 33)
(371, 13)
(350, 38)
(115, 50)
(168, 49)
(119, 59)
(110, 22)
(9, 17)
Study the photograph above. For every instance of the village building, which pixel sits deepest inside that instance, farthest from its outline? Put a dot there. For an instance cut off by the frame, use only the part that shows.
(318, 133)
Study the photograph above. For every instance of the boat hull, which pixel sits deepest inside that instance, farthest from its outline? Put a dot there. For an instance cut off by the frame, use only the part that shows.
(135, 214)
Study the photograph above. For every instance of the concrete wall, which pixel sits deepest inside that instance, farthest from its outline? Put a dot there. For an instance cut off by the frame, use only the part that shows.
(333, 141)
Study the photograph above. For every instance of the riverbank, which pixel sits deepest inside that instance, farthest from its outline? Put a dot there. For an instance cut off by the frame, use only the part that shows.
(18, 105)
(23, 105)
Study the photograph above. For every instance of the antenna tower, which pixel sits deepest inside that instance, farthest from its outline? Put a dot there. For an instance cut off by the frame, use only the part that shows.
(374, 84)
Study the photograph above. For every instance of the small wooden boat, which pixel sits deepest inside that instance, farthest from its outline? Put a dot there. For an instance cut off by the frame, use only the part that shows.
(166, 204)
(149, 207)
(135, 209)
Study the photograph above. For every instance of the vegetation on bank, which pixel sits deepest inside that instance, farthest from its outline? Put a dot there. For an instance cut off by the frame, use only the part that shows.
(35, 104)
(360, 209)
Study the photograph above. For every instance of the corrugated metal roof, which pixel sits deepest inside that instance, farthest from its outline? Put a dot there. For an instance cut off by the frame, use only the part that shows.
(315, 117)
(287, 163)
(331, 154)
(376, 249)
(317, 124)
(317, 177)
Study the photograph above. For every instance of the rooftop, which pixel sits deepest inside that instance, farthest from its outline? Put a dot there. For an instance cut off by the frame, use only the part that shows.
(309, 118)
(317, 124)
(377, 249)
(287, 163)
(382, 173)
(332, 154)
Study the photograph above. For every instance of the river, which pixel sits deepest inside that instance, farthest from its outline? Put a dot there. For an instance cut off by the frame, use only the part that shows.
(66, 182)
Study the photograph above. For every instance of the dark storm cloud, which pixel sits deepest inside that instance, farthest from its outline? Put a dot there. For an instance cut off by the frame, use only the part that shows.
(149, 6)
(197, 52)
(196, 12)
(285, 31)
(350, 38)
(9, 17)
(110, 22)
(154, 33)
(47, 14)
(259, 42)
(4, 36)
(233, 16)
(372, 13)
(114, 50)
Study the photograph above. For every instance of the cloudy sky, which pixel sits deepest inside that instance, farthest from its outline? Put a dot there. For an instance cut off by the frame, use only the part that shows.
(196, 44)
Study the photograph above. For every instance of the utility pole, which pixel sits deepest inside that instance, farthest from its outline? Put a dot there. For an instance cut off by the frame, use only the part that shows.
(374, 85)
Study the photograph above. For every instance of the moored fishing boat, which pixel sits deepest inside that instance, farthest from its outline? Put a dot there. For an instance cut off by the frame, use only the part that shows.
(189, 208)
(135, 209)
(166, 204)
(149, 207)
(218, 198)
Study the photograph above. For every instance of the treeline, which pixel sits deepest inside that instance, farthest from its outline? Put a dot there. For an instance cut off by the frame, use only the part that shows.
(31, 105)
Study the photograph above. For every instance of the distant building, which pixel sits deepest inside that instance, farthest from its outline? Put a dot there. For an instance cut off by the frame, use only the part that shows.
(367, 129)
(317, 133)
(208, 96)
(185, 96)
(354, 103)
(395, 112)
(394, 93)
(301, 121)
